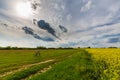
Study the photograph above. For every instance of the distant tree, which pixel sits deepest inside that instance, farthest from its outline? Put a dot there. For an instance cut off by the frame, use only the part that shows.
(60, 48)
(51, 48)
(89, 47)
(69, 48)
(14, 48)
(8, 47)
(41, 47)
(112, 47)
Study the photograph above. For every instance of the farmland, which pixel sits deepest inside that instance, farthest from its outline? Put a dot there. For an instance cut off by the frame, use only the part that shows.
(60, 64)
(108, 61)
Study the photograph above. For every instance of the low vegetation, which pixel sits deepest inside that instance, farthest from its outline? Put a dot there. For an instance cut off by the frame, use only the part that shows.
(14, 59)
(26, 72)
(79, 66)
(66, 64)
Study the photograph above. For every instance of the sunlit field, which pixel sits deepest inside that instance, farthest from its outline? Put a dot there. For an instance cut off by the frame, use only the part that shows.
(12, 61)
(108, 61)
(60, 64)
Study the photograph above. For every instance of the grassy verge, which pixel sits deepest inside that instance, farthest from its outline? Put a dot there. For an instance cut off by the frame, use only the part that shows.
(25, 73)
(79, 66)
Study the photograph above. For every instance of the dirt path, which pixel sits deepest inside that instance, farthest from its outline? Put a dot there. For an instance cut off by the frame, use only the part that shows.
(39, 72)
(24, 67)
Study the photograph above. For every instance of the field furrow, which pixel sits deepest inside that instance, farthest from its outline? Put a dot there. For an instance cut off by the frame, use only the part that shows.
(38, 72)
(25, 67)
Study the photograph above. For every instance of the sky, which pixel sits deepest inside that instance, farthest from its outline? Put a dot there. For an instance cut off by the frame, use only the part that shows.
(60, 23)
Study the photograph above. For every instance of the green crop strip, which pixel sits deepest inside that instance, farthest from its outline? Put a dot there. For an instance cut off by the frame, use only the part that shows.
(79, 66)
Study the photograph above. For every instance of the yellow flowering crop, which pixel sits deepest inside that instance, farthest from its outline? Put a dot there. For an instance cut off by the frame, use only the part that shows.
(109, 60)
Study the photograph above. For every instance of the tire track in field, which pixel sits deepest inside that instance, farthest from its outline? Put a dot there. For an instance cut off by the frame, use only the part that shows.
(39, 72)
(24, 67)
(42, 71)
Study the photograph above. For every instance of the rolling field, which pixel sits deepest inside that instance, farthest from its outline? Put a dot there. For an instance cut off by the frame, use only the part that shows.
(67, 64)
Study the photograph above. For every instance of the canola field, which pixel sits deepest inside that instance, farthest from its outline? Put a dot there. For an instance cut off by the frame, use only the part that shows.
(108, 61)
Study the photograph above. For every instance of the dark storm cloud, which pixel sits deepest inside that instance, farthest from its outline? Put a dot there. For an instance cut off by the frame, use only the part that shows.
(30, 31)
(35, 5)
(63, 28)
(114, 40)
(44, 39)
(112, 35)
(46, 26)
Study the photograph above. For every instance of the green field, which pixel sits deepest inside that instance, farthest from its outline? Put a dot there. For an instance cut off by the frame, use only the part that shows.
(60, 64)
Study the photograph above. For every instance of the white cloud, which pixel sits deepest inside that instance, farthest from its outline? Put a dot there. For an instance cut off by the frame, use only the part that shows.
(87, 6)
(84, 26)
(69, 17)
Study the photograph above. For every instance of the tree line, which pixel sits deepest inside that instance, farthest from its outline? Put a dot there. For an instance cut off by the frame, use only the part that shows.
(41, 47)
(28, 48)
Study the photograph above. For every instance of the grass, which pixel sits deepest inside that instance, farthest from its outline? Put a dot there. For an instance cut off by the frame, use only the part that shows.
(25, 73)
(34, 69)
(78, 67)
(13, 59)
